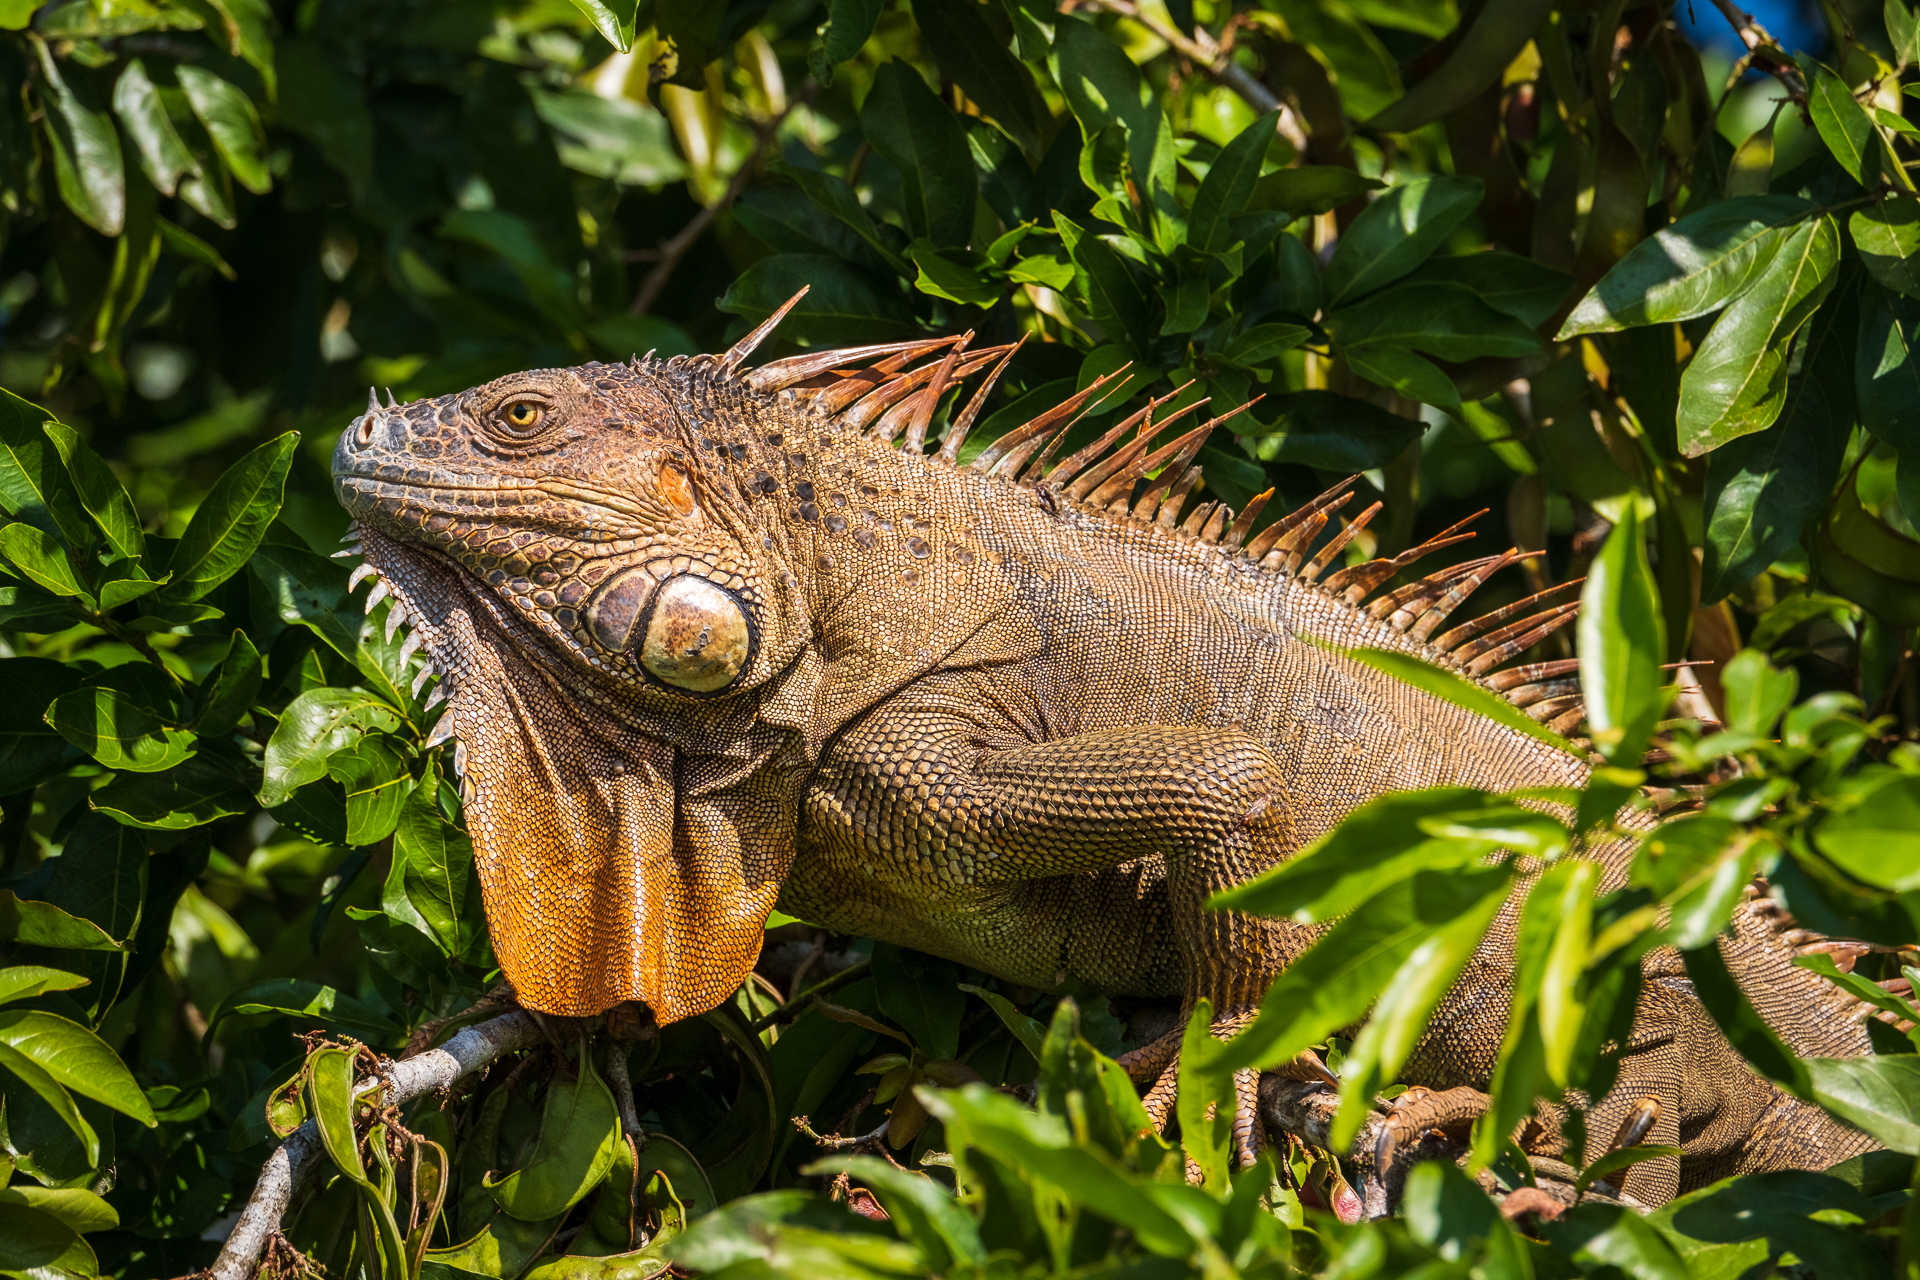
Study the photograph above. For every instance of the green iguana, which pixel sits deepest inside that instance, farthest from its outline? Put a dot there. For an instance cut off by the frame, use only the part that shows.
(715, 639)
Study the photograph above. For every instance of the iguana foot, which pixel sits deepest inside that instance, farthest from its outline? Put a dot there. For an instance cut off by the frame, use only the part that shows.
(1159, 1061)
(1419, 1111)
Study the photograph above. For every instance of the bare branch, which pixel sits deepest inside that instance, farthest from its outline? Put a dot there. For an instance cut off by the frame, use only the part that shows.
(1757, 38)
(469, 1051)
(1217, 62)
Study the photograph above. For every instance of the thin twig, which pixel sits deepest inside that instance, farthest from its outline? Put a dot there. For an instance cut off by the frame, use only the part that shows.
(672, 250)
(1216, 60)
(1754, 37)
(834, 1142)
(797, 1005)
(295, 1158)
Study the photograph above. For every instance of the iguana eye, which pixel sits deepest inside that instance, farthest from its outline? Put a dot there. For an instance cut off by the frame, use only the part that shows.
(523, 416)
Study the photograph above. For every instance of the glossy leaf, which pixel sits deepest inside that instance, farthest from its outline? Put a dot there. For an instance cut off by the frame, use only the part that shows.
(1113, 295)
(1310, 189)
(1228, 185)
(909, 125)
(53, 1093)
(1397, 232)
(1621, 644)
(578, 1127)
(615, 20)
(1736, 383)
(1439, 317)
(35, 1241)
(929, 1213)
(76, 1058)
(34, 486)
(1332, 432)
(433, 862)
(303, 1000)
(231, 521)
(314, 726)
(1878, 839)
(99, 491)
(1886, 369)
(1874, 1094)
(1765, 488)
(41, 924)
(1888, 237)
(1844, 125)
(43, 560)
(22, 981)
(1475, 61)
(1460, 692)
(86, 148)
(163, 156)
(968, 52)
(119, 729)
(849, 24)
(1699, 264)
(843, 305)
(1341, 975)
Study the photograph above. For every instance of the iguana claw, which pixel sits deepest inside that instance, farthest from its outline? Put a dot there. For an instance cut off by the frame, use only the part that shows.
(1420, 1109)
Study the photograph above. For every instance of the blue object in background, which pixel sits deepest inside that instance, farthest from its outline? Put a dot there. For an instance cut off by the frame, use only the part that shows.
(1794, 24)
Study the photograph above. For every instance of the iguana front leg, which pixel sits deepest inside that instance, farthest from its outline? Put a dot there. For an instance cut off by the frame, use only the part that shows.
(965, 829)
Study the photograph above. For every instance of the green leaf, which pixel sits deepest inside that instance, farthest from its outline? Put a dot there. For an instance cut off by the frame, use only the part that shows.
(314, 726)
(305, 1001)
(844, 305)
(1878, 839)
(1412, 376)
(1527, 290)
(922, 994)
(303, 587)
(1764, 489)
(969, 53)
(1260, 344)
(1336, 980)
(227, 694)
(909, 125)
(1869, 993)
(1375, 845)
(1616, 1240)
(1736, 383)
(1310, 189)
(1399, 1017)
(1460, 692)
(377, 783)
(615, 21)
(330, 1101)
(1397, 232)
(1478, 57)
(1902, 31)
(1875, 1094)
(76, 1058)
(24, 981)
(849, 24)
(1332, 432)
(950, 280)
(1888, 237)
(434, 862)
(1561, 998)
(1844, 126)
(1103, 88)
(571, 1154)
(216, 781)
(321, 100)
(1757, 693)
(83, 1211)
(1699, 264)
(1042, 1149)
(41, 924)
(1439, 317)
(34, 485)
(1886, 372)
(36, 1242)
(164, 158)
(832, 194)
(1622, 642)
(39, 557)
(1113, 296)
(120, 728)
(87, 166)
(100, 492)
(1026, 1030)
(231, 521)
(51, 1092)
(1228, 185)
(928, 1212)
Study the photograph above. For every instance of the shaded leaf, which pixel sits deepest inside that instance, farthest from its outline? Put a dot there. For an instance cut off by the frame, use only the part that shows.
(1397, 232)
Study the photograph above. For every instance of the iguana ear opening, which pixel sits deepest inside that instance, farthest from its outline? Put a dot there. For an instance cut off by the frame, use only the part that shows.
(611, 869)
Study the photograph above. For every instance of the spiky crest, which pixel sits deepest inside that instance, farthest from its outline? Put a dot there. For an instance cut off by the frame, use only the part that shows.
(891, 391)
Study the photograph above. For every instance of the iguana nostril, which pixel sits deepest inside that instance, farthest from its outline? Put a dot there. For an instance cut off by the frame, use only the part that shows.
(364, 435)
(697, 638)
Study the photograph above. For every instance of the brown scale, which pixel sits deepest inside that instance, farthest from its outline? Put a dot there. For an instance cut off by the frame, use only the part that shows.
(957, 735)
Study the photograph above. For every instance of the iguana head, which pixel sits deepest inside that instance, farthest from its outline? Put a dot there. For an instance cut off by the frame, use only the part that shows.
(604, 618)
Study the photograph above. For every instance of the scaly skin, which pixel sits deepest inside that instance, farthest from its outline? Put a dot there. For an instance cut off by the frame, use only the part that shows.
(971, 716)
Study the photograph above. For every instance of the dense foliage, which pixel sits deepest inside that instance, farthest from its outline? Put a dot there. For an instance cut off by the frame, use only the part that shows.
(1656, 311)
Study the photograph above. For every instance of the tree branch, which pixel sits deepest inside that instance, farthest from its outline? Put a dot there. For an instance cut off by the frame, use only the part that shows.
(1756, 37)
(671, 251)
(296, 1158)
(1217, 62)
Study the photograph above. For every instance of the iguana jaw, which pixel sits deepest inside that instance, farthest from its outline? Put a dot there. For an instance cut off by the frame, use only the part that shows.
(601, 884)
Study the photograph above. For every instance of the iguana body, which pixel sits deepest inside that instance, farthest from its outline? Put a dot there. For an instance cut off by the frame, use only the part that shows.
(712, 640)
